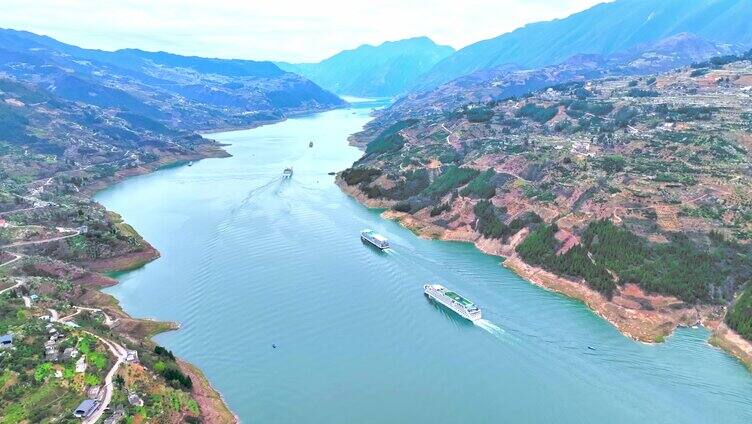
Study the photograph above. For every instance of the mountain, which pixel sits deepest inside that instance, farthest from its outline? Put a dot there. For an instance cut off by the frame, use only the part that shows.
(603, 29)
(623, 187)
(182, 91)
(374, 71)
(510, 80)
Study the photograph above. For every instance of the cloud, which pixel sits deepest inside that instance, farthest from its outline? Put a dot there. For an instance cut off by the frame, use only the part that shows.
(273, 29)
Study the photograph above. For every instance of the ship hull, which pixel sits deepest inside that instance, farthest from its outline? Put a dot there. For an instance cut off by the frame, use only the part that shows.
(438, 297)
(374, 243)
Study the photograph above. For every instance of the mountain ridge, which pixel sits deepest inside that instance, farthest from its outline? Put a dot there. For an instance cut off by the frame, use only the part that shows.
(382, 70)
(601, 29)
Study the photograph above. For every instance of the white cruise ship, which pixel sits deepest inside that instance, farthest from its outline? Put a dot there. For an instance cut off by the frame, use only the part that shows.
(374, 238)
(465, 308)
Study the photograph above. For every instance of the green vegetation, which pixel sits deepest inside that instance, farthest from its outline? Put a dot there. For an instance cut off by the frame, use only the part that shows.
(537, 113)
(488, 222)
(355, 176)
(625, 115)
(452, 177)
(479, 114)
(481, 186)
(12, 125)
(612, 163)
(739, 316)
(578, 108)
(676, 268)
(439, 209)
(637, 92)
(390, 139)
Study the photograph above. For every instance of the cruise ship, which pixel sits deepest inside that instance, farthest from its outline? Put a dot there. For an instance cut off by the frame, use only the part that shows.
(374, 238)
(465, 308)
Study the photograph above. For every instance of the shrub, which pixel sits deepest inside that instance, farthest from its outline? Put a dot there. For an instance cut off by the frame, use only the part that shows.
(479, 114)
(392, 142)
(612, 163)
(739, 316)
(355, 176)
(174, 375)
(452, 177)
(637, 92)
(481, 186)
(390, 139)
(439, 209)
(537, 113)
(402, 207)
(159, 350)
(488, 224)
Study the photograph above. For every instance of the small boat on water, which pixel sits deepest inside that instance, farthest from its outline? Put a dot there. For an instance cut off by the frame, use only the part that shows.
(310, 144)
(190, 163)
(462, 306)
(374, 238)
(287, 173)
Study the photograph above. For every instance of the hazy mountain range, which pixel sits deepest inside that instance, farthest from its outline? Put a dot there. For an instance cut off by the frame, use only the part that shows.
(185, 92)
(511, 80)
(374, 71)
(603, 29)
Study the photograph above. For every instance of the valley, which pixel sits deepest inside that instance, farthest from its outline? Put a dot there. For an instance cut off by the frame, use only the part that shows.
(585, 180)
(634, 187)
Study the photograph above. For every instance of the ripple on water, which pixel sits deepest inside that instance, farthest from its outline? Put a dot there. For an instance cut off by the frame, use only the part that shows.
(250, 261)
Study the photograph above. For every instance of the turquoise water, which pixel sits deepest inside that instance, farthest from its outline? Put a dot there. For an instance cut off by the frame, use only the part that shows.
(250, 260)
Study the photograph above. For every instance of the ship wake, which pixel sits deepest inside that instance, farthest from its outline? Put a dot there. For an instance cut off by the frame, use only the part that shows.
(490, 327)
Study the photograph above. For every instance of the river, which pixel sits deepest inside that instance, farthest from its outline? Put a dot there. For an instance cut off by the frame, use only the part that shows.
(250, 260)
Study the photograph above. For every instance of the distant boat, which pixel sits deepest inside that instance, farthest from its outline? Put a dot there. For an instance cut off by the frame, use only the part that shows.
(332, 173)
(190, 163)
(374, 238)
(310, 144)
(287, 173)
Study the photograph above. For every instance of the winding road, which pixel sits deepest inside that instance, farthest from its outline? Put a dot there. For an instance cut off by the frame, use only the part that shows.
(32, 242)
(120, 354)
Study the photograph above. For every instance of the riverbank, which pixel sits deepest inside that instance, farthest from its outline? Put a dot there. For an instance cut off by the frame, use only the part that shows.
(643, 317)
(212, 406)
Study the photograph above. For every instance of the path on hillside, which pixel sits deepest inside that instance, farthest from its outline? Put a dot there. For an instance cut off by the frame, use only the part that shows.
(32, 242)
(18, 284)
(107, 320)
(120, 355)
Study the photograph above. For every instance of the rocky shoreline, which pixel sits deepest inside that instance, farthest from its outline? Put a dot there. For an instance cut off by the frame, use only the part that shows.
(213, 408)
(643, 317)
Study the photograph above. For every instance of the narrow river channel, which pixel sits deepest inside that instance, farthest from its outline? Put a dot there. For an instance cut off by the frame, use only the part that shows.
(250, 260)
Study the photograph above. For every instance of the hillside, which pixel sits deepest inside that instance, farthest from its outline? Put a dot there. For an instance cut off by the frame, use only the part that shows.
(603, 29)
(374, 71)
(633, 187)
(73, 121)
(511, 81)
(183, 92)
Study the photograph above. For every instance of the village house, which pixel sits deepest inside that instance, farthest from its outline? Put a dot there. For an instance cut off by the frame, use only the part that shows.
(6, 341)
(70, 353)
(135, 400)
(131, 356)
(85, 408)
(81, 365)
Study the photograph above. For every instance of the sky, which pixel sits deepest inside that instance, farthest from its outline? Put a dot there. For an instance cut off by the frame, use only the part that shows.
(286, 30)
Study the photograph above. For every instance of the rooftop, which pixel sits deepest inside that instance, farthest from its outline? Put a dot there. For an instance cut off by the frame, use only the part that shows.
(461, 300)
